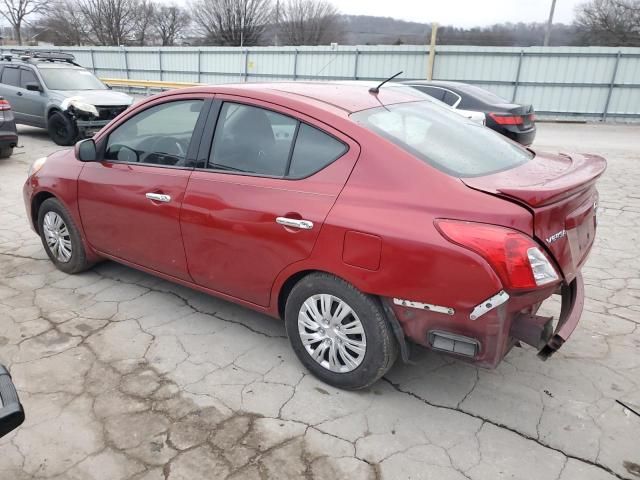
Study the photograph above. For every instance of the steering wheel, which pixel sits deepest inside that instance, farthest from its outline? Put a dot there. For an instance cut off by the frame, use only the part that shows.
(163, 148)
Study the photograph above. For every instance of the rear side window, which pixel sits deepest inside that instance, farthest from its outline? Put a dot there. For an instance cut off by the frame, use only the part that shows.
(252, 140)
(313, 151)
(27, 76)
(450, 98)
(434, 92)
(11, 76)
(442, 138)
(258, 141)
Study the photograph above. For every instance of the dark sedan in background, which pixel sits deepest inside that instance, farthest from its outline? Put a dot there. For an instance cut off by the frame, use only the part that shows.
(8, 132)
(512, 120)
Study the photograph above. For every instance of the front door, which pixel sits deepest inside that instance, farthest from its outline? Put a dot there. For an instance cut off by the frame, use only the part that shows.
(130, 202)
(31, 102)
(259, 202)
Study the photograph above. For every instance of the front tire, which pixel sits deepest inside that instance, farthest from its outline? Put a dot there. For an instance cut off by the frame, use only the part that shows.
(6, 152)
(62, 129)
(60, 237)
(339, 333)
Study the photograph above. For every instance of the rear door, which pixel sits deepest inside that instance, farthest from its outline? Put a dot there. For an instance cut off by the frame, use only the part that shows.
(130, 201)
(259, 198)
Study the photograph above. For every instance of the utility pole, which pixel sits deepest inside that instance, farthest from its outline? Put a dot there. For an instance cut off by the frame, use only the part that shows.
(432, 51)
(549, 23)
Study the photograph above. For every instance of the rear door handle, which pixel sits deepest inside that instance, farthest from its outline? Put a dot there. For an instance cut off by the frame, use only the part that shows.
(158, 197)
(294, 223)
(19, 94)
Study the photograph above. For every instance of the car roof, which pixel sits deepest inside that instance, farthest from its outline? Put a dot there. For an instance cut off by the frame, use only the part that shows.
(478, 93)
(437, 83)
(39, 64)
(347, 97)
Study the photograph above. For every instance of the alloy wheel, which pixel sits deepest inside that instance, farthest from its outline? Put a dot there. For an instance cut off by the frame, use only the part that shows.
(331, 333)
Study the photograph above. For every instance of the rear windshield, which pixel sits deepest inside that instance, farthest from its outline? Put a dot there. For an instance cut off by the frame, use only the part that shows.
(70, 79)
(444, 139)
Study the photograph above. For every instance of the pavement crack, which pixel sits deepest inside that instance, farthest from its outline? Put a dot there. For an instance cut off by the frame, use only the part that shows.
(22, 257)
(397, 387)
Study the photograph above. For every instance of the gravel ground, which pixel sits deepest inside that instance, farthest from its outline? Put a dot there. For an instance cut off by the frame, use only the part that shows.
(124, 375)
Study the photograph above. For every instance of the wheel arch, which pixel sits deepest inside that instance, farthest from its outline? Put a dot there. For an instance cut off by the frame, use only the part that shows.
(51, 110)
(288, 285)
(396, 327)
(36, 202)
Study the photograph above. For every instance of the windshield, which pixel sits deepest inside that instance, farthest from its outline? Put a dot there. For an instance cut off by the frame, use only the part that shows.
(70, 79)
(444, 139)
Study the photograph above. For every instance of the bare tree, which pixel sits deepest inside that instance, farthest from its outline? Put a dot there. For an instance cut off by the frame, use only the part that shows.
(169, 22)
(63, 24)
(112, 22)
(610, 22)
(144, 14)
(16, 11)
(232, 22)
(309, 22)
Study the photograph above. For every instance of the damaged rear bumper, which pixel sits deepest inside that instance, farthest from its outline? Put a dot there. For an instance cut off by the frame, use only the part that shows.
(485, 338)
(570, 313)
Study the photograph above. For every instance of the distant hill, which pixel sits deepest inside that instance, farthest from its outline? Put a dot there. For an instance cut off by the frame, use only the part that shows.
(365, 29)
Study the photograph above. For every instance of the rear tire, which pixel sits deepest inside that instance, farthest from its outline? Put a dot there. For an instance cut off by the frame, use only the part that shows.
(340, 334)
(6, 152)
(62, 129)
(61, 238)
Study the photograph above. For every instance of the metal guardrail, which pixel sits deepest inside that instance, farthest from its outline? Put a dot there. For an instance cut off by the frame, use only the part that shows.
(147, 84)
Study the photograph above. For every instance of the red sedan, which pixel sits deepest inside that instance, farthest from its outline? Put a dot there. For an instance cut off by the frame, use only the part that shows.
(365, 220)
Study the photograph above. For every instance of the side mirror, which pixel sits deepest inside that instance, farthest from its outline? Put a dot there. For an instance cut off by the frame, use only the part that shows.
(33, 87)
(86, 150)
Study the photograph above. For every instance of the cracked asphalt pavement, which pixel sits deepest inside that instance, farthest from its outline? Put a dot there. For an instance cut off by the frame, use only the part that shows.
(126, 376)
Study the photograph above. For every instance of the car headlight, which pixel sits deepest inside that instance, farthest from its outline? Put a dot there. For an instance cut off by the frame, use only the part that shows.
(37, 165)
(78, 104)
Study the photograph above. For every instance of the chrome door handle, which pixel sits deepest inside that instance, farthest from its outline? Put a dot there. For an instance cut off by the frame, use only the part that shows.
(293, 223)
(158, 197)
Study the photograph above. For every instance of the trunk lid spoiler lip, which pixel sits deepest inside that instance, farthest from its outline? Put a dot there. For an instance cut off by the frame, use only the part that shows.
(564, 176)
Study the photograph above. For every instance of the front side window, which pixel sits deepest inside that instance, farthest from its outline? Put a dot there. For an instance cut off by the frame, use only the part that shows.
(444, 139)
(67, 78)
(11, 76)
(159, 135)
(27, 76)
(257, 141)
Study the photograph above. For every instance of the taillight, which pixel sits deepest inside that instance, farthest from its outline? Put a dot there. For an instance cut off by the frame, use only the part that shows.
(505, 119)
(4, 105)
(514, 256)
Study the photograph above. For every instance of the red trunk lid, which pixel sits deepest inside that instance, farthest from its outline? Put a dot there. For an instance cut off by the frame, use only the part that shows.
(560, 192)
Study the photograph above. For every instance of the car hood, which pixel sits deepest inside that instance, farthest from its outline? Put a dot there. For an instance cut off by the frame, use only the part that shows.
(105, 98)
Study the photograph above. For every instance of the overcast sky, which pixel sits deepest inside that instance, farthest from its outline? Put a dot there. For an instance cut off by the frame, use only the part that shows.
(462, 13)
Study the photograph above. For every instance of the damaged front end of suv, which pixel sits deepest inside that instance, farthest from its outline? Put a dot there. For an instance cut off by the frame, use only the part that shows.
(88, 117)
